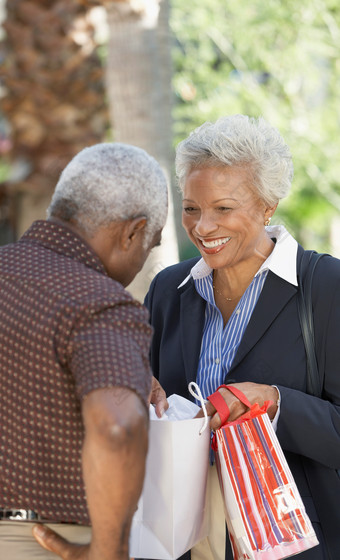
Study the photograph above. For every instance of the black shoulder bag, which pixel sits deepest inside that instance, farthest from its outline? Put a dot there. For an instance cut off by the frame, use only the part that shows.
(304, 298)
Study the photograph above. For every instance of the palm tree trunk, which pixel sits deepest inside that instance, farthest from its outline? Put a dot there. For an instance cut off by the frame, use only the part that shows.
(139, 91)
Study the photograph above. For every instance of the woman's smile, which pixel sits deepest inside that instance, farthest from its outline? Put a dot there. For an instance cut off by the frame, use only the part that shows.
(212, 246)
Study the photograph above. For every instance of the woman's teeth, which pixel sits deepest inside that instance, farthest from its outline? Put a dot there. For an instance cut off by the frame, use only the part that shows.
(215, 243)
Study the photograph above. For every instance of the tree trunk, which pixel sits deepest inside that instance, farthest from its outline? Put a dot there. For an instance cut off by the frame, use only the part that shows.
(140, 100)
(55, 101)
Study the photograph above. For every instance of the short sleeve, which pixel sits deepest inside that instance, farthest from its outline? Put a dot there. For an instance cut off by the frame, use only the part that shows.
(111, 348)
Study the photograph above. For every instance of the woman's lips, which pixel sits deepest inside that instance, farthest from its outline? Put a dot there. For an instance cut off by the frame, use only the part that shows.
(212, 246)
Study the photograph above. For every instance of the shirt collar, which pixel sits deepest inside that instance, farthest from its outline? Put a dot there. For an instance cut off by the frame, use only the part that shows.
(281, 261)
(60, 239)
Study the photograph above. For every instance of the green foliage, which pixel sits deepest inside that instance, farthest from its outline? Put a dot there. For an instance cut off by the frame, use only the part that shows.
(4, 171)
(279, 59)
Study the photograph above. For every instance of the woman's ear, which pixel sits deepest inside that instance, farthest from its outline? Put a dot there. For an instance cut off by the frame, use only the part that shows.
(269, 212)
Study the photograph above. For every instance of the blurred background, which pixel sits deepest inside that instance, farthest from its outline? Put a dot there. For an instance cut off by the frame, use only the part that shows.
(147, 72)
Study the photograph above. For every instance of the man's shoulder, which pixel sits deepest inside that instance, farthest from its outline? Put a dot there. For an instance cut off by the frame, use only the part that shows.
(60, 278)
(90, 288)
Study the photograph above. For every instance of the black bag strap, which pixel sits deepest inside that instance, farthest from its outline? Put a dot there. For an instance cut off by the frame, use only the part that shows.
(308, 263)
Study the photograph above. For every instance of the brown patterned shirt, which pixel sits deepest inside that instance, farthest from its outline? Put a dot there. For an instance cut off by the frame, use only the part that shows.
(66, 329)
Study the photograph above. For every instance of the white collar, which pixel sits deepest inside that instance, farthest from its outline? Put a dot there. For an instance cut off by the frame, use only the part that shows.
(281, 261)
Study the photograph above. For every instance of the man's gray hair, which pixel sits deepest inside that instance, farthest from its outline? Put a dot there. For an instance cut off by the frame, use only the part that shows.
(241, 141)
(110, 182)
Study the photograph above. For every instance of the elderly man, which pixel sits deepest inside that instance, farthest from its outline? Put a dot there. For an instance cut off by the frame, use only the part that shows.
(75, 379)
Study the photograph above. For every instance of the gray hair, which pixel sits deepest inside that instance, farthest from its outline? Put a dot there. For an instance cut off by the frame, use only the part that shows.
(241, 141)
(110, 182)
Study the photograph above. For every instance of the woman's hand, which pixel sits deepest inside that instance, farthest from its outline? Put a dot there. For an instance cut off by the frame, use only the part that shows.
(158, 398)
(255, 393)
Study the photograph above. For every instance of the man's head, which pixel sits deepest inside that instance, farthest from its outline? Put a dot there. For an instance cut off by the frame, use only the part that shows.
(115, 195)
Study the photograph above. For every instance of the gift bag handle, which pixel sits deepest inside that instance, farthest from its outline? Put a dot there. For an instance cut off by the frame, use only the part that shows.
(221, 406)
(196, 393)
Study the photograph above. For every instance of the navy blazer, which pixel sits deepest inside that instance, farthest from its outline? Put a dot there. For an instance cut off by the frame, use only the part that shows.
(271, 352)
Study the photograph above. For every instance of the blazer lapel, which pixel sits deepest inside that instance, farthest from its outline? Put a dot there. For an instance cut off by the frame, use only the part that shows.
(192, 313)
(274, 296)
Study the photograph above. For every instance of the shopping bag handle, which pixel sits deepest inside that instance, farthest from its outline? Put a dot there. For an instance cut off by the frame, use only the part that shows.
(196, 393)
(241, 396)
(221, 406)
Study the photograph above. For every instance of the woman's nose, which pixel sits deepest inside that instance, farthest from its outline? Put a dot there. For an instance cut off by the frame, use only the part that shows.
(205, 225)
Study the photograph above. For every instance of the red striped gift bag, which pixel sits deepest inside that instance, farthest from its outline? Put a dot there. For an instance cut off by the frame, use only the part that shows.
(265, 515)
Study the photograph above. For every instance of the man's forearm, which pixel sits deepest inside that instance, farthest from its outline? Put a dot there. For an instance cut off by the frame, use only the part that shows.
(114, 452)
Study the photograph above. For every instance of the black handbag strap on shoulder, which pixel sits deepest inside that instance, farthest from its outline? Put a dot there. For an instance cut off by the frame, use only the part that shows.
(308, 263)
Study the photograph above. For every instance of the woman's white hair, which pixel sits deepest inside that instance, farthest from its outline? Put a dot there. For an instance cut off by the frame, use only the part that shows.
(110, 182)
(241, 141)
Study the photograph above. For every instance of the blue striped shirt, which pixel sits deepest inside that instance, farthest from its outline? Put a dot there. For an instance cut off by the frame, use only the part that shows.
(219, 343)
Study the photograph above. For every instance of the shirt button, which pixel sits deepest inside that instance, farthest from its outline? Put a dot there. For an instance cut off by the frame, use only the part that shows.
(217, 361)
(238, 311)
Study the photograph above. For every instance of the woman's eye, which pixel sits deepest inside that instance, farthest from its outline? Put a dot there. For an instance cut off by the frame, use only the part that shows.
(223, 208)
(189, 209)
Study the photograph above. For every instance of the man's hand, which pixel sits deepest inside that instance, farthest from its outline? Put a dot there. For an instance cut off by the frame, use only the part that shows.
(255, 393)
(158, 398)
(53, 542)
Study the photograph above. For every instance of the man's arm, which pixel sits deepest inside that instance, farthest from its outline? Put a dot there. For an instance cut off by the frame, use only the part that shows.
(114, 453)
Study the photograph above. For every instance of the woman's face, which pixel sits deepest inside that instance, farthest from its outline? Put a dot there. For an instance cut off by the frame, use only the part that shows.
(224, 216)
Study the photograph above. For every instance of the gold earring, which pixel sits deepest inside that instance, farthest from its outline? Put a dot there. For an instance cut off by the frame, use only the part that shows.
(267, 222)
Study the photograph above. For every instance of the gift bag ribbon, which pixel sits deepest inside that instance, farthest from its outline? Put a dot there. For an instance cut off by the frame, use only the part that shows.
(222, 408)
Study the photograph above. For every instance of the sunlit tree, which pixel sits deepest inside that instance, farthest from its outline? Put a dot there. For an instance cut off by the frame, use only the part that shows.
(280, 60)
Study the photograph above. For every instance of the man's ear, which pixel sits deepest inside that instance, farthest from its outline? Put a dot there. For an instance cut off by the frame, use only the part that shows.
(131, 231)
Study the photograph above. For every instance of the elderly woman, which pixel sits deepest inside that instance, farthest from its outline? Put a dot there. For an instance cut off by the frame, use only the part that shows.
(232, 316)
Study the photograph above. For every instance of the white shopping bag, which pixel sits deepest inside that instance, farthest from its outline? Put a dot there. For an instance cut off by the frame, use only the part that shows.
(172, 514)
